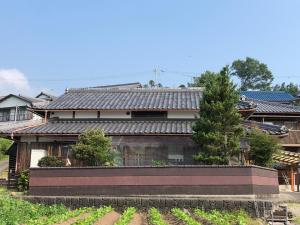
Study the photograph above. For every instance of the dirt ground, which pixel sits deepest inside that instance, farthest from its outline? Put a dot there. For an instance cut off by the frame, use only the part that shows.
(108, 219)
(74, 219)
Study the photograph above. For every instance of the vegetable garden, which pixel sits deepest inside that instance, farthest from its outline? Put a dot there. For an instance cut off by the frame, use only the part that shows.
(15, 211)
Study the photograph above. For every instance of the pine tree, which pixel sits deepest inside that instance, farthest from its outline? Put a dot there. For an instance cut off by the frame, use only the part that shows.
(217, 131)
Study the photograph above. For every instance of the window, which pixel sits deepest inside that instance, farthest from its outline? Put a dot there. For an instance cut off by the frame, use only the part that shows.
(149, 114)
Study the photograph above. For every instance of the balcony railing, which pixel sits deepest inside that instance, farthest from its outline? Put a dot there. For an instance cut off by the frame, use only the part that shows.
(16, 117)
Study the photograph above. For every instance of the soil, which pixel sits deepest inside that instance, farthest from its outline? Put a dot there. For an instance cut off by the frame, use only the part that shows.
(74, 219)
(108, 219)
(136, 220)
(172, 220)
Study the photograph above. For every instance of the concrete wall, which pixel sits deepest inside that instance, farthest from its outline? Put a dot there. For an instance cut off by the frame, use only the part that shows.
(174, 180)
(255, 208)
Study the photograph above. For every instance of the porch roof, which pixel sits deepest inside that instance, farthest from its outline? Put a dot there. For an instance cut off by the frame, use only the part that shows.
(112, 127)
(130, 127)
(287, 157)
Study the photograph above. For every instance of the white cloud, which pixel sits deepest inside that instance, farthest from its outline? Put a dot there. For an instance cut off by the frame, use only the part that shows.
(12, 81)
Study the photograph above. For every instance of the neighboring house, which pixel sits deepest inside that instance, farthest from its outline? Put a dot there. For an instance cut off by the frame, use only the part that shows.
(14, 108)
(46, 96)
(121, 86)
(270, 96)
(145, 124)
(283, 115)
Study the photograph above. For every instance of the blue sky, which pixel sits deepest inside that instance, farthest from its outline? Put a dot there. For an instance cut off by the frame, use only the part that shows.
(55, 44)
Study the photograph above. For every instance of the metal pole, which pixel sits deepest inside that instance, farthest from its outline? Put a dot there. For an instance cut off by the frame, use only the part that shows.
(16, 113)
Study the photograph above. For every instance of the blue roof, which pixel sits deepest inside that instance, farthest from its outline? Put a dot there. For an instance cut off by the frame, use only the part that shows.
(271, 96)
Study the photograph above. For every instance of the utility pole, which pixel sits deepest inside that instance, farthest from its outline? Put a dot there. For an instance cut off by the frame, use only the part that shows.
(157, 72)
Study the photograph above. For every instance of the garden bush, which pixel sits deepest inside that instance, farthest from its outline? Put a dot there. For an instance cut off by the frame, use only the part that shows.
(50, 161)
(23, 181)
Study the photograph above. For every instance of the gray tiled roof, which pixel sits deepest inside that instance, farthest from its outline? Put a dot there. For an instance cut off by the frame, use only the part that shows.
(246, 105)
(131, 127)
(272, 107)
(128, 99)
(113, 127)
(268, 128)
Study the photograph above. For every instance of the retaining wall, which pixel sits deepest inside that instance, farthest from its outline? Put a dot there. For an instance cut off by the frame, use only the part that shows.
(177, 180)
(255, 208)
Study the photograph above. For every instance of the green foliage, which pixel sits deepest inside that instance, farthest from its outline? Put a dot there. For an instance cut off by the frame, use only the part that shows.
(223, 218)
(50, 161)
(205, 79)
(57, 218)
(184, 217)
(4, 146)
(126, 216)
(218, 129)
(23, 181)
(152, 84)
(253, 74)
(291, 88)
(155, 218)
(94, 216)
(158, 163)
(15, 211)
(93, 148)
(262, 148)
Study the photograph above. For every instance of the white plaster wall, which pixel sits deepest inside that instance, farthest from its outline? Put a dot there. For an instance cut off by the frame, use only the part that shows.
(85, 115)
(12, 102)
(114, 115)
(28, 139)
(181, 115)
(62, 115)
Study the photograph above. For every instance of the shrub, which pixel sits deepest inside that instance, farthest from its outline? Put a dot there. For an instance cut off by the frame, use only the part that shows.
(262, 148)
(50, 161)
(93, 148)
(23, 181)
(4, 146)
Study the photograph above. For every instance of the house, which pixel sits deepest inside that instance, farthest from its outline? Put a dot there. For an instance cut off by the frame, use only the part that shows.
(283, 115)
(46, 96)
(270, 96)
(14, 107)
(145, 124)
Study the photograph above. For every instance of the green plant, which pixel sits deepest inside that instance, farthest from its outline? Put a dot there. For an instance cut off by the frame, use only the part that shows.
(155, 217)
(15, 211)
(93, 148)
(218, 128)
(50, 161)
(57, 218)
(126, 216)
(184, 217)
(94, 216)
(223, 218)
(23, 180)
(262, 148)
(4, 146)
